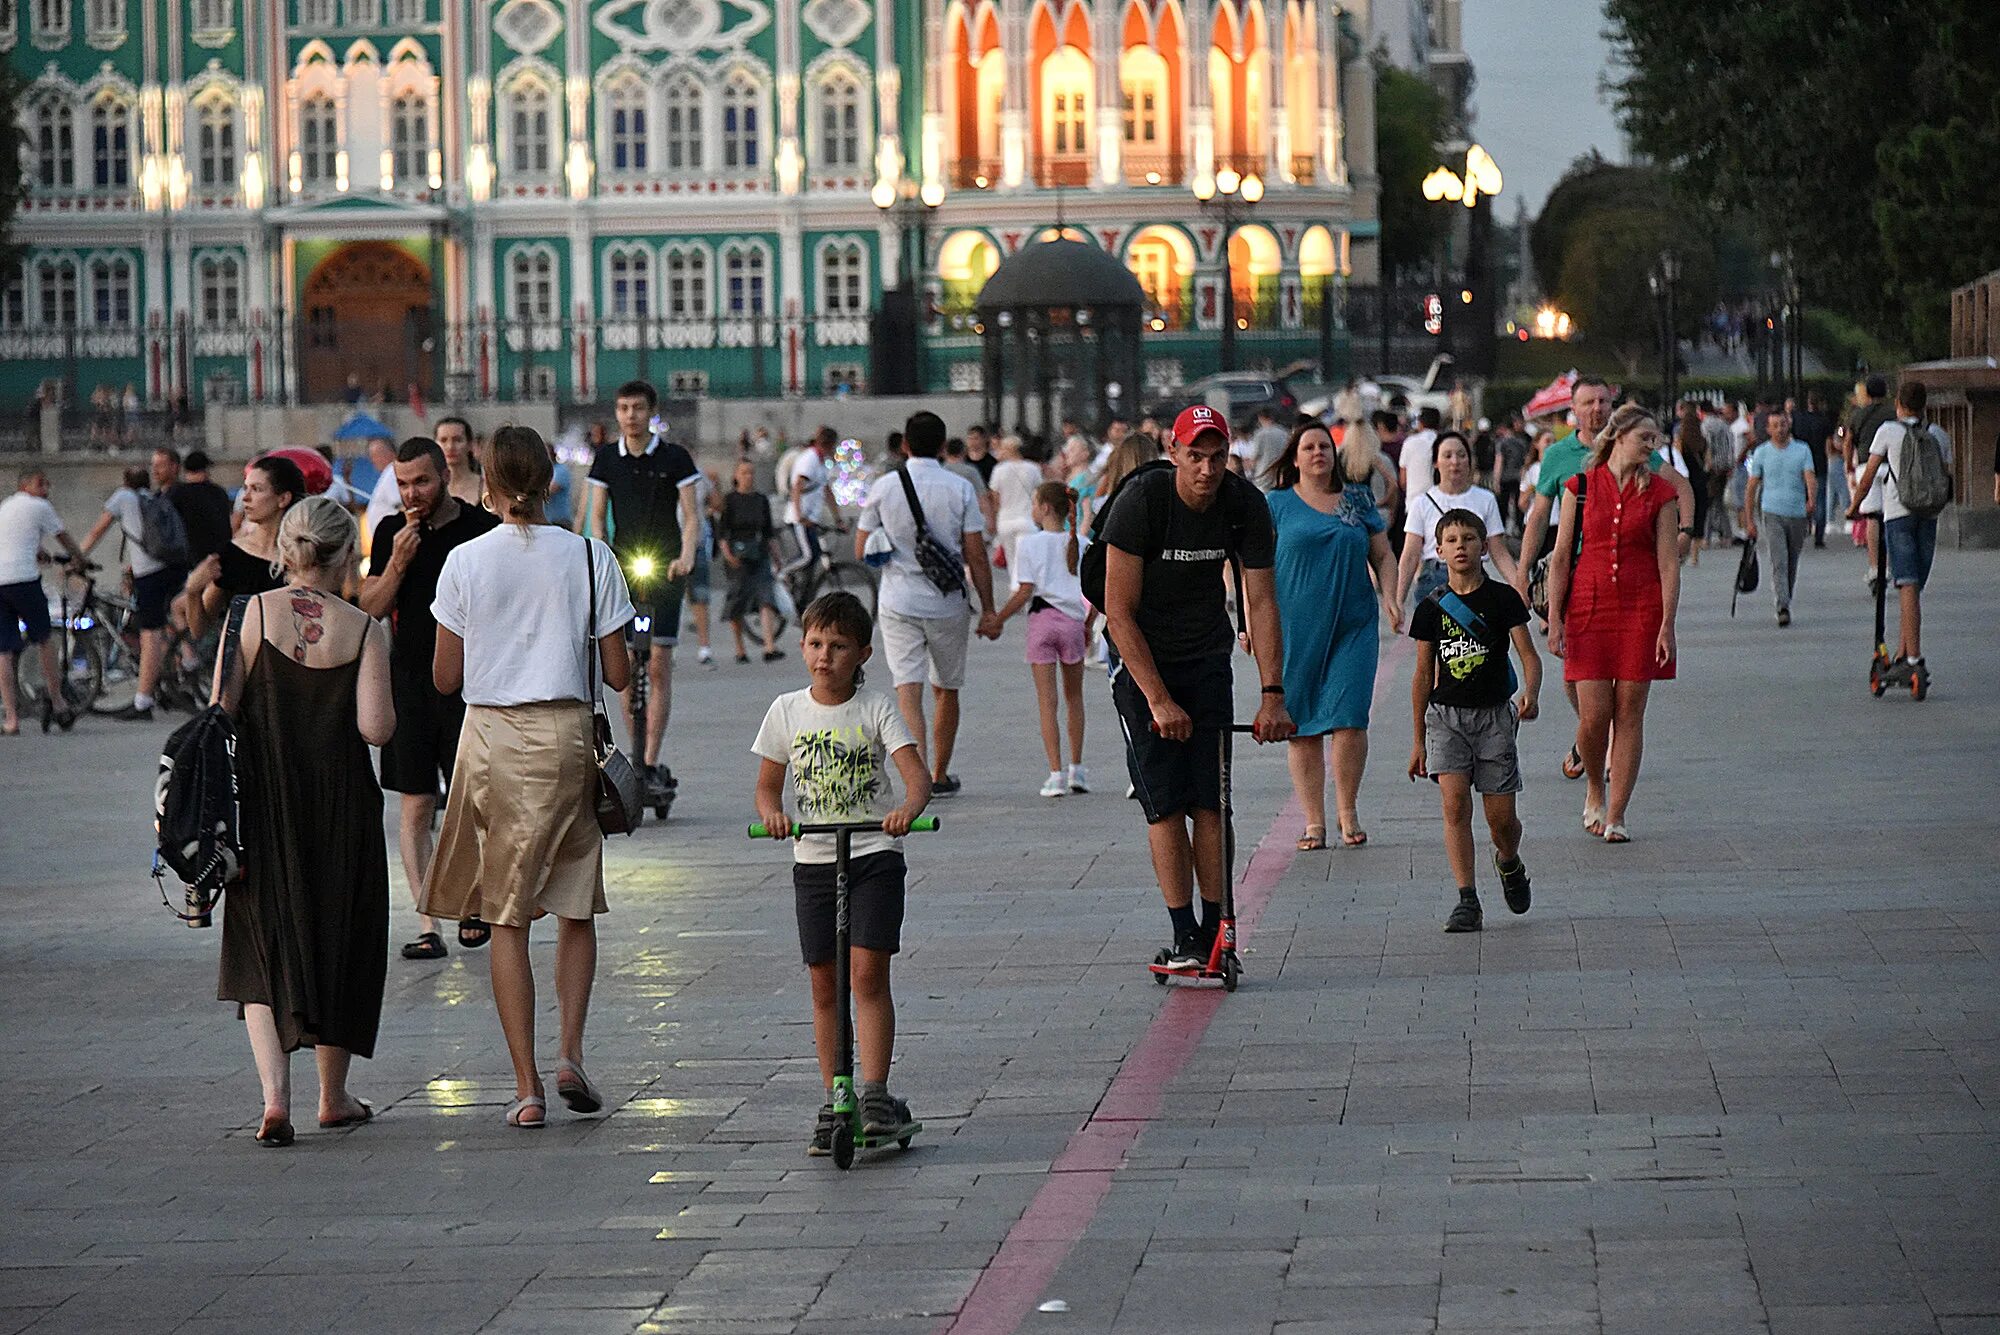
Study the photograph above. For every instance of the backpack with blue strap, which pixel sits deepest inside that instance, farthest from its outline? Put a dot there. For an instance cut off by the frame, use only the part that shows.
(1461, 611)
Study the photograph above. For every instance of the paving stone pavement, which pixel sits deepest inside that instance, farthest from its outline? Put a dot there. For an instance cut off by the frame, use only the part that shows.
(1740, 1075)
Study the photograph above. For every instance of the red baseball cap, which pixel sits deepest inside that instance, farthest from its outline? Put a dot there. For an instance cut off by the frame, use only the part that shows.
(1193, 421)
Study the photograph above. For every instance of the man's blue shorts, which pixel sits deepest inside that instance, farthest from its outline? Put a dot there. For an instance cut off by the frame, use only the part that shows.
(24, 615)
(1912, 544)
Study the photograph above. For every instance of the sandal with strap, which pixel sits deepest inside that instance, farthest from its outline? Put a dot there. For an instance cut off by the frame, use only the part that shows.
(275, 1133)
(573, 1087)
(513, 1116)
(1616, 833)
(1353, 838)
(1313, 839)
(367, 1114)
(472, 933)
(429, 946)
(1573, 764)
(1593, 820)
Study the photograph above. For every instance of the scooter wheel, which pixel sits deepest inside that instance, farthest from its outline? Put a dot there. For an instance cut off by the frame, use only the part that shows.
(1231, 973)
(904, 1143)
(1919, 688)
(843, 1142)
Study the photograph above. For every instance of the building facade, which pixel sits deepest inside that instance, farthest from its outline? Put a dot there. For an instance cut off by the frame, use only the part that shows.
(259, 200)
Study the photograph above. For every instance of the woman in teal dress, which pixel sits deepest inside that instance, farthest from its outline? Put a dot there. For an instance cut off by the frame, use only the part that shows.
(1330, 534)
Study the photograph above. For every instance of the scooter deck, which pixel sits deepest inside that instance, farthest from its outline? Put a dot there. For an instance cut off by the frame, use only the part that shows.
(900, 1136)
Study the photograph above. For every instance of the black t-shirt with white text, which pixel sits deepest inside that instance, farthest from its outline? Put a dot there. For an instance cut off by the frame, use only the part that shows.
(1472, 670)
(415, 639)
(1182, 612)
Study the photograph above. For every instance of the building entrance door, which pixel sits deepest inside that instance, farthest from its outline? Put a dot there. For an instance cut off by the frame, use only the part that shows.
(368, 324)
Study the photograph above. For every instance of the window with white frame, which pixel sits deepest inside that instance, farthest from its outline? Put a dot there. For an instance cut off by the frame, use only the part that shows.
(843, 272)
(530, 120)
(410, 138)
(215, 161)
(683, 123)
(535, 383)
(51, 21)
(625, 124)
(7, 17)
(745, 278)
(687, 384)
(840, 137)
(407, 13)
(531, 284)
(14, 300)
(213, 15)
(111, 293)
(319, 140)
(111, 143)
(52, 140)
(316, 13)
(742, 100)
(629, 283)
(364, 13)
(55, 293)
(687, 283)
(103, 19)
(220, 280)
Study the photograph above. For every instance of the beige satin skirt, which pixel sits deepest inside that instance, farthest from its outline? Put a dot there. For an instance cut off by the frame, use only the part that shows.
(520, 835)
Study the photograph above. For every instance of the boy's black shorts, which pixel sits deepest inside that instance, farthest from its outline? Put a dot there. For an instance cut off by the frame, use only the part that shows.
(874, 904)
(1172, 778)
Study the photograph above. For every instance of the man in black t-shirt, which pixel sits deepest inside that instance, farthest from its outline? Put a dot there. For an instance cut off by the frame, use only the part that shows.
(647, 486)
(1170, 535)
(203, 507)
(407, 556)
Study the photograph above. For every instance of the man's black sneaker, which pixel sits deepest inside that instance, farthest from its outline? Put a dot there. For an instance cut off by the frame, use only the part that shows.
(1514, 883)
(821, 1144)
(134, 714)
(948, 786)
(1466, 917)
(1784, 616)
(883, 1116)
(1186, 953)
(667, 779)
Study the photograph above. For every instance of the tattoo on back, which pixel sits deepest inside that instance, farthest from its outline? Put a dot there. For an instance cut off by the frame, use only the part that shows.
(308, 609)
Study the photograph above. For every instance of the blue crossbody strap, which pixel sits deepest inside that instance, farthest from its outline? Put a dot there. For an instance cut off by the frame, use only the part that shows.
(1461, 612)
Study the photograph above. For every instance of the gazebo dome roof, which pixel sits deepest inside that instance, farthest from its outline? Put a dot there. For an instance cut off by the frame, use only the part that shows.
(1060, 273)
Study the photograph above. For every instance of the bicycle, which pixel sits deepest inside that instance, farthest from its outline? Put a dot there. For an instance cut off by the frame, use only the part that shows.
(823, 573)
(99, 642)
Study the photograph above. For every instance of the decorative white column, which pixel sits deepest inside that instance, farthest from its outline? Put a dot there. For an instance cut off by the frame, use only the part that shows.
(1277, 65)
(792, 302)
(1201, 113)
(931, 150)
(786, 158)
(1105, 41)
(1014, 120)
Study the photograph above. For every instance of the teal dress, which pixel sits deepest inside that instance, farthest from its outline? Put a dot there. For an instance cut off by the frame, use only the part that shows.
(1328, 607)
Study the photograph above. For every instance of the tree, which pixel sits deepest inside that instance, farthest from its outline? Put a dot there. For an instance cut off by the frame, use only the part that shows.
(13, 91)
(1603, 278)
(1409, 120)
(1591, 185)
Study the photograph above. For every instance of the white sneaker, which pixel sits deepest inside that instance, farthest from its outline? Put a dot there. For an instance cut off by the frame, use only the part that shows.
(1055, 787)
(705, 656)
(1079, 779)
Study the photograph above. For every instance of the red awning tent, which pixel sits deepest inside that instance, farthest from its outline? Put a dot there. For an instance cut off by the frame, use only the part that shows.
(1552, 398)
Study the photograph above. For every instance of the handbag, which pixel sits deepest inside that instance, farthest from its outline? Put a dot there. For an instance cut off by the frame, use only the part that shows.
(944, 568)
(617, 792)
(1746, 575)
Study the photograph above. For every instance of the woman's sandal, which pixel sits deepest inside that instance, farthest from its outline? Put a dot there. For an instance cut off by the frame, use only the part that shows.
(366, 1114)
(573, 1087)
(1593, 820)
(1616, 834)
(1353, 838)
(472, 934)
(274, 1133)
(1573, 764)
(513, 1116)
(429, 946)
(1313, 839)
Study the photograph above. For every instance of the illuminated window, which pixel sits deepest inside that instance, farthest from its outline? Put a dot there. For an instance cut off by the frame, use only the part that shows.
(1066, 79)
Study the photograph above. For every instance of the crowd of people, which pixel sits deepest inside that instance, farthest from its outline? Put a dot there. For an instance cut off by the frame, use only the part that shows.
(471, 644)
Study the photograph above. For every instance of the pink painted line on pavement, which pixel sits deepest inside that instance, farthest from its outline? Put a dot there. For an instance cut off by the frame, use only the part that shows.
(1080, 1178)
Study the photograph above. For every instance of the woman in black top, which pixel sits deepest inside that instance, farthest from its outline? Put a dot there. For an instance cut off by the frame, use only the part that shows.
(747, 537)
(271, 486)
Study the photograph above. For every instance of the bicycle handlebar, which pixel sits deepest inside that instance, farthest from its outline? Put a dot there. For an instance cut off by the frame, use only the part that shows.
(921, 825)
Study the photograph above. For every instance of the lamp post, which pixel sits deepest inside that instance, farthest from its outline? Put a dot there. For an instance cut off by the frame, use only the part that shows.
(1664, 280)
(898, 345)
(1475, 189)
(1230, 196)
(910, 207)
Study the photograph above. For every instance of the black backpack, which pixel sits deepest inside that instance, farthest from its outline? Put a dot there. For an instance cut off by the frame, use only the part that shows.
(162, 532)
(1090, 567)
(195, 807)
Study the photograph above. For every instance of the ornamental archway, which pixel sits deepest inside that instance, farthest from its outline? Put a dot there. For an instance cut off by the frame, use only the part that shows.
(366, 311)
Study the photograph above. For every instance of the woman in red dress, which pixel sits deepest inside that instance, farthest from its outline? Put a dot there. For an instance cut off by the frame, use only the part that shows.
(1612, 603)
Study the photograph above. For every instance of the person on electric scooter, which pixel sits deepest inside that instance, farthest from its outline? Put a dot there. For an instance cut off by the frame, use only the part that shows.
(837, 741)
(1170, 535)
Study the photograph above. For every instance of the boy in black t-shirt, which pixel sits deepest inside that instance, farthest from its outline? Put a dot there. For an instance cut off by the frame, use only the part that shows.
(1465, 721)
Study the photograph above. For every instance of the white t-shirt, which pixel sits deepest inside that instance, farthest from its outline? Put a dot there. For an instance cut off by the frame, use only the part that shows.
(838, 756)
(1886, 446)
(951, 510)
(1041, 558)
(1416, 460)
(518, 599)
(1739, 435)
(1431, 506)
(385, 500)
(124, 503)
(26, 522)
(811, 507)
(1013, 485)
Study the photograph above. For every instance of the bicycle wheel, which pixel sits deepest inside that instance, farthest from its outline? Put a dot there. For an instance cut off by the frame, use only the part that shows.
(118, 671)
(855, 579)
(84, 674)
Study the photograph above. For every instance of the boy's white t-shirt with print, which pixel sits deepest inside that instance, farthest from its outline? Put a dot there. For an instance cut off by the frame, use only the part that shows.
(838, 756)
(1041, 558)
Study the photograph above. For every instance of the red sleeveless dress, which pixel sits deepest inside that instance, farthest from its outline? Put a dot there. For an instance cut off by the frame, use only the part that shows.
(1612, 622)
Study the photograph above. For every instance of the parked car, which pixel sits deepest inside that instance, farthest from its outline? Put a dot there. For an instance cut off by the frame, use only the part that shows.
(1246, 392)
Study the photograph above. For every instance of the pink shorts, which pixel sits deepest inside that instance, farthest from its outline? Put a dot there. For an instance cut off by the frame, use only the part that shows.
(1054, 636)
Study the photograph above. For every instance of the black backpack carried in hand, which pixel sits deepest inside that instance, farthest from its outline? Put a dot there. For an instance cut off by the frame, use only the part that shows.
(1746, 574)
(195, 807)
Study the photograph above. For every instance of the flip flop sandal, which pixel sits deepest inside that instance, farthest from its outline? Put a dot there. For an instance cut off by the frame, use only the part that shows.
(514, 1110)
(472, 934)
(1593, 820)
(573, 1087)
(275, 1133)
(1573, 764)
(1616, 834)
(1313, 839)
(366, 1114)
(1353, 838)
(429, 946)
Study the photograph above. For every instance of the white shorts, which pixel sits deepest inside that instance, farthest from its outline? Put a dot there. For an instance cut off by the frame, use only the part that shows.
(926, 647)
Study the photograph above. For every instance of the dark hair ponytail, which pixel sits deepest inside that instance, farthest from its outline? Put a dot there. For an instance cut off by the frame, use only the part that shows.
(1062, 502)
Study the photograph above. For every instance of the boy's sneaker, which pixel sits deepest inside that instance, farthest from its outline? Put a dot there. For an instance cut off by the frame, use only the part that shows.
(1079, 779)
(1467, 917)
(705, 656)
(1514, 883)
(883, 1116)
(821, 1145)
(1186, 953)
(948, 786)
(1054, 786)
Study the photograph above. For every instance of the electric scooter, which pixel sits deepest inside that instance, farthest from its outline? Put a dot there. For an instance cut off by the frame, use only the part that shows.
(1886, 669)
(847, 1136)
(1222, 962)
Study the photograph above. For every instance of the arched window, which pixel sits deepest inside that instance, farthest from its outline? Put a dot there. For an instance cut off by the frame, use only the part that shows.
(319, 140)
(1066, 112)
(407, 13)
(52, 130)
(840, 138)
(625, 119)
(51, 20)
(14, 300)
(531, 285)
(410, 138)
(629, 283)
(843, 270)
(745, 277)
(215, 163)
(220, 279)
(687, 283)
(212, 15)
(741, 141)
(55, 293)
(364, 13)
(1143, 80)
(316, 13)
(111, 143)
(683, 110)
(104, 19)
(530, 117)
(111, 293)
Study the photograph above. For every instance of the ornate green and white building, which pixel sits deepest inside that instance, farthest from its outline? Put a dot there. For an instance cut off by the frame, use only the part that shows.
(276, 199)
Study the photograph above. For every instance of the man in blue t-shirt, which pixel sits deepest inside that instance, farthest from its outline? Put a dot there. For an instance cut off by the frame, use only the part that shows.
(1778, 503)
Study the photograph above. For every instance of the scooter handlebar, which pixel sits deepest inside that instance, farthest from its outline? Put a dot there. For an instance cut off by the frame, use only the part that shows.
(921, 825)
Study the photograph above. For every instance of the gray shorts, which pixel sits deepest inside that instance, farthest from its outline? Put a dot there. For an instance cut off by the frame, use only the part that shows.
(1479, 742)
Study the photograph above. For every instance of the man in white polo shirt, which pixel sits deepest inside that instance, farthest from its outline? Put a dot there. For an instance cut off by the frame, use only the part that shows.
(924, 615)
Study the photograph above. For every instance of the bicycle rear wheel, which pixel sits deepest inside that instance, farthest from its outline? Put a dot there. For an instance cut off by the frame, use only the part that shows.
(118, 675)
(83, 673)
(855, 579)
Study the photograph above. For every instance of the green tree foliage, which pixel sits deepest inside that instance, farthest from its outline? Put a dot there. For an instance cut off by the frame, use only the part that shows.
(1591, 185)
(1603, 281)
(1409, 119)
(13, 89)
(1859, 135)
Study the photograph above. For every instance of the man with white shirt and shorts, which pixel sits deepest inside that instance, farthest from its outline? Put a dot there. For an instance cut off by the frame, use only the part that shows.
(925, 618)
(1418, 465)
(806, 493)
(26, 521)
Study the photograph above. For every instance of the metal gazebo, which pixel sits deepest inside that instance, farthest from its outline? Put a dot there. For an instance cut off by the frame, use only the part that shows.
(1061, 325)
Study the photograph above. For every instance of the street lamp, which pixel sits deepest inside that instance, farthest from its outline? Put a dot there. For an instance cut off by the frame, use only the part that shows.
(910, 207)
(1664, 281)
(1230, 195)
(1475, 189)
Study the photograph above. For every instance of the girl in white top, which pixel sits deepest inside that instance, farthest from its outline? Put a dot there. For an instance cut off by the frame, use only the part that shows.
(1453, 491)
(1013, 486)
(1045, 581)
(520, 836)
